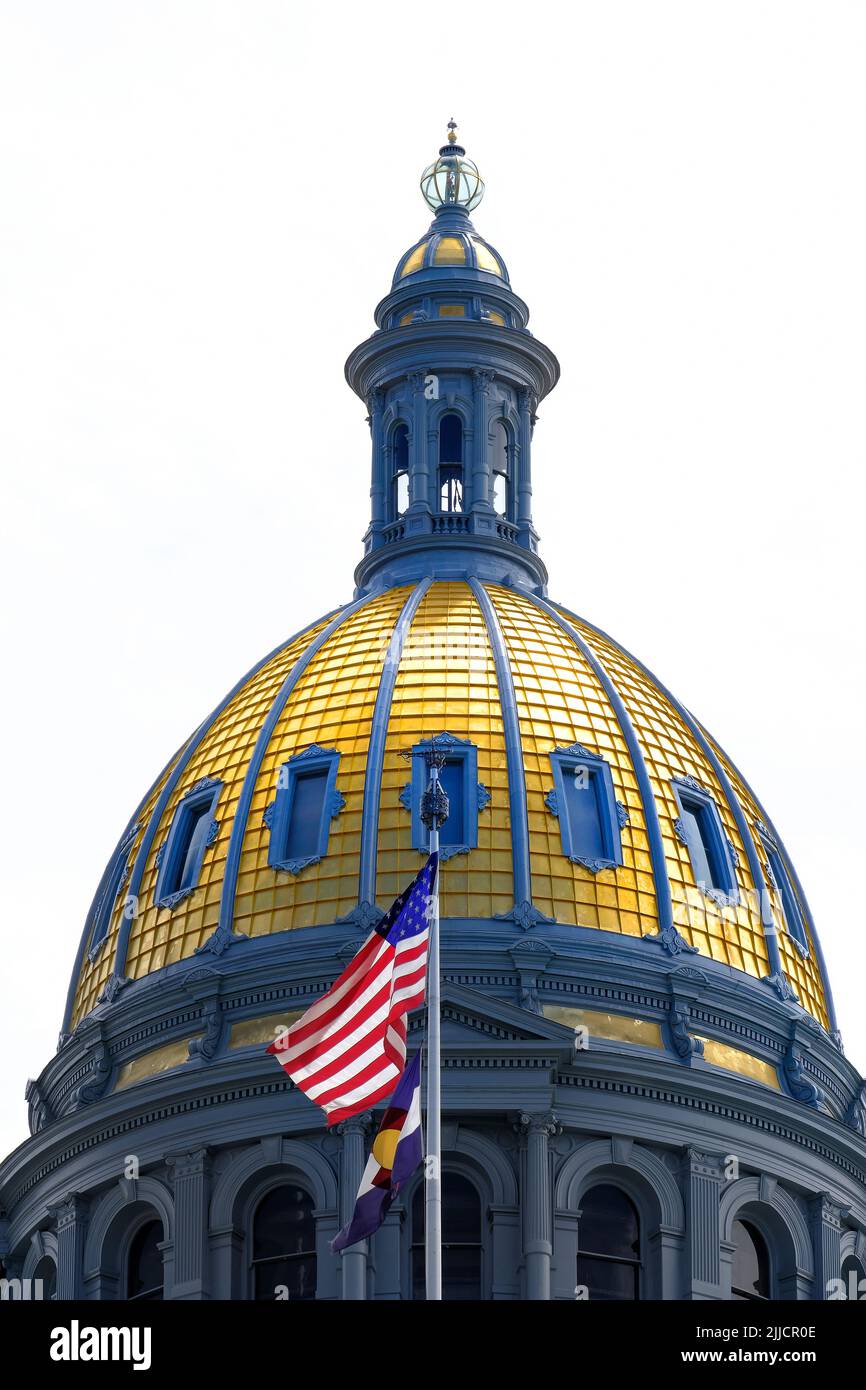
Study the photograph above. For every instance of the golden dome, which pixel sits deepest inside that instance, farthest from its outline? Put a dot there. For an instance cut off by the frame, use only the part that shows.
(452, 248)
(571, 686)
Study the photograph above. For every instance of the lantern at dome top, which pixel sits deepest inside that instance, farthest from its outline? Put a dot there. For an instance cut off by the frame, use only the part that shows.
(454, 180)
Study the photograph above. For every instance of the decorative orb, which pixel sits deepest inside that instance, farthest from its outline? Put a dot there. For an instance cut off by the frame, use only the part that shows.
(453, 181)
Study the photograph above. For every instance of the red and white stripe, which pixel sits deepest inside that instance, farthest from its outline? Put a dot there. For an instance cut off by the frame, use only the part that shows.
(349, 1048)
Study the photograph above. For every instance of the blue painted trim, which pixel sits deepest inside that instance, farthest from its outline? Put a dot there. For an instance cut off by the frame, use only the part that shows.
(566, 762)
(167, 792)
(770, 932)
(689, 794)
(376, 751)
(475, 796)
(203, 796)
(223, 935)
(650, 810)
(803, 900)
(513, 749)
(278, 813)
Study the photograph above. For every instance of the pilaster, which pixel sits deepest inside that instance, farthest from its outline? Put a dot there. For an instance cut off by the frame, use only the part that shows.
(702, 1176)
(189, 1173)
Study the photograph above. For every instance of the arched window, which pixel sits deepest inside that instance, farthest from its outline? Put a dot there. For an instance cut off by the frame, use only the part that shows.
(144, 1275)
(284, 1246)
(451, 464)
(501, 471)
(461, 1240)
(750, 1280)
(608, 1257)
(46, 1271)
(400, 470)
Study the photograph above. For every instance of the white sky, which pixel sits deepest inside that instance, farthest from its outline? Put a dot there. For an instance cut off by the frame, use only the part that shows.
(200, 205)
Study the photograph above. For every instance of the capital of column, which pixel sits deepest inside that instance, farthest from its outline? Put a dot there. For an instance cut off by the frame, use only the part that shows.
(356, 1124)
(698, 1164)
(828, 1211)
(192, 1164)
(68, 1212)
(546, 1123)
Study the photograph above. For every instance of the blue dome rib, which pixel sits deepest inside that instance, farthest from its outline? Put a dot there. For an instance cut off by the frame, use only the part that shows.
(224, 934)
(513, 749)
(376, 749)
(648, 801)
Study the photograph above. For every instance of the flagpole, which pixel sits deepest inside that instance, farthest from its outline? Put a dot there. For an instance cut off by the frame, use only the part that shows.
(434, 812)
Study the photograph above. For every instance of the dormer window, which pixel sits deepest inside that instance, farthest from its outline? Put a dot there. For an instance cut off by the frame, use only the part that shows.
(466, 796)
(584, 801)
(451, 464)
(299, 818)
(400, 470)
(779, 880)
(700, 829)
(193, 829)
(105, 904)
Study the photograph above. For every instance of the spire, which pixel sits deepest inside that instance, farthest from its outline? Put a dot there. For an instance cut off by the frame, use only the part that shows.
(451, 380)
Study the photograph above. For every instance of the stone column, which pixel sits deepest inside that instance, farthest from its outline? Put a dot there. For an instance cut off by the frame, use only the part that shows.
(703, 1176)
(524, 479)
(70, 1219)
(537, 1201)
(481, 383)
(378, 480)
(419, 483)
(825, 1219)
(190, 1176)
(353, 1159)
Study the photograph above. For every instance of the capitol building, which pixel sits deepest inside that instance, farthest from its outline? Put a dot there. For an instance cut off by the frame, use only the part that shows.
(644, 1092)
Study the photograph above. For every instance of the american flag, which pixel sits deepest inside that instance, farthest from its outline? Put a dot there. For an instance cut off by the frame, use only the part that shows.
(347, 1051)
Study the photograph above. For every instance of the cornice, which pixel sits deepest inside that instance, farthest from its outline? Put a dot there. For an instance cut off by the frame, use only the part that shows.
(449, 345)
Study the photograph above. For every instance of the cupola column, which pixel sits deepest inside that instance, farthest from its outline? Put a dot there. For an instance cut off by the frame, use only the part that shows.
(524, 471)
(419, 479)
(379, 483)
(481, 383)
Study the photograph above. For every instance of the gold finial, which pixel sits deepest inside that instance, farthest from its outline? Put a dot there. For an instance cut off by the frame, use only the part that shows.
(452, 131)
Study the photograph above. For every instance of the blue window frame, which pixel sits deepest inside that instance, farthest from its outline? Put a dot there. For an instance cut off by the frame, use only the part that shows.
(193, 830)
(466, 795)
(105, 904)
(583, 799)
(299, 817)
(700, 829)
(779, 879)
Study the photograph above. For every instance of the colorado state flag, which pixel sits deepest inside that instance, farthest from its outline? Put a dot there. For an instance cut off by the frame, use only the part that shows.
(397, 1151)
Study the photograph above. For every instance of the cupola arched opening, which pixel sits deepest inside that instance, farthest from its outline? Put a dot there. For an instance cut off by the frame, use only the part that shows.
(451, 463)
(399, 470)
(501, 468)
